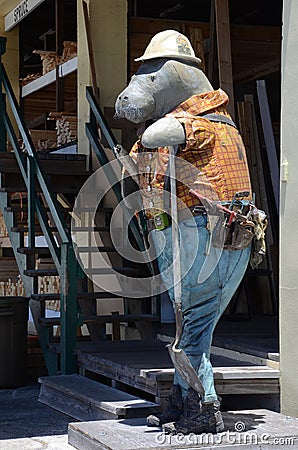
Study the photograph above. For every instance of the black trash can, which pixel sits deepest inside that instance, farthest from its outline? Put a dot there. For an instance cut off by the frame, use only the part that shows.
(13, 341)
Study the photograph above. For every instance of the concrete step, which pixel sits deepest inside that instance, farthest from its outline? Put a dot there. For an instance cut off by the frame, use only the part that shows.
(85, 399)
(248, 429)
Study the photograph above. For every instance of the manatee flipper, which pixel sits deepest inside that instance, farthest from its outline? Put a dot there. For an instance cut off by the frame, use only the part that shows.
(164, 132)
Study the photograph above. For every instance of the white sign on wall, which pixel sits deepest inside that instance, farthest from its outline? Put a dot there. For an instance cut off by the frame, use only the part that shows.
(22, 10)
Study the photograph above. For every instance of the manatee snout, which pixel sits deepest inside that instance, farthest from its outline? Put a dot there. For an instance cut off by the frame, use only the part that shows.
(134, 104)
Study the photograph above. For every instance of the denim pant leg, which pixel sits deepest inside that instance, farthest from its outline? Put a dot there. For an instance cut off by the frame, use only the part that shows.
(208, 284)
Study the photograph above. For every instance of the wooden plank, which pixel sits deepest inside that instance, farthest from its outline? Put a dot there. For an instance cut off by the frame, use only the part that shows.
(269, 139)
(150, 369)
(196, 40)
(140, 25)
(244, 357)
(260, 428)
(238, 32)
(224, 50)
(212, 45)
(259, 71)
(220, 373)
(249, 131)
(85, 399)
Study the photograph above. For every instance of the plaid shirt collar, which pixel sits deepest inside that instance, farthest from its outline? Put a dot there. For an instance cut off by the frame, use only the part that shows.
(201, 103)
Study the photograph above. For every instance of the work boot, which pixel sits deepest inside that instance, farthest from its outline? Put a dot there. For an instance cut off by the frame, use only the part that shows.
(207, 419)
(173, 412)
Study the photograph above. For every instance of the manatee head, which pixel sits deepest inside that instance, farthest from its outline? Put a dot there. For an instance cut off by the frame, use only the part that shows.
(158, 87)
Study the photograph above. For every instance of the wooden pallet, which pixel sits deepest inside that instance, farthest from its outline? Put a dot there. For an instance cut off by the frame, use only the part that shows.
(146, 366)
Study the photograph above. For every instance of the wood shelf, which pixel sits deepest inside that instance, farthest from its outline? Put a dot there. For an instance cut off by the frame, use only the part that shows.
(65, 69)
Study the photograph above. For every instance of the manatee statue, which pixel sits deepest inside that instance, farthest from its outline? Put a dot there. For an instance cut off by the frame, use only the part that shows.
(173, 97)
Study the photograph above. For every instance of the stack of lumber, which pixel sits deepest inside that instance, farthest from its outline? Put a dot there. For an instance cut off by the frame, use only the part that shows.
(44, 139)
(69, 50)
(30, 77)
(10, 281)
(8, 269)
(66, 127)
(3, 229)
(12, 288)
(50, 59)
(50, 285)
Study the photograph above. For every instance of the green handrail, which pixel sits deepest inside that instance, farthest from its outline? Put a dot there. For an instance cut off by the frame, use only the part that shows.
(98, 119)
(50, 199)
(63, 255)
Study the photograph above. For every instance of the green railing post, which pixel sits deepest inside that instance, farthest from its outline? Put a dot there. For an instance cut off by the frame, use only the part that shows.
(31, 200)
(2, 45)
(2, 99)
(68, 309)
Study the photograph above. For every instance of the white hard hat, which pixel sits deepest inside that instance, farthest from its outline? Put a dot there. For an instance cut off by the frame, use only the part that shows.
(169, 44)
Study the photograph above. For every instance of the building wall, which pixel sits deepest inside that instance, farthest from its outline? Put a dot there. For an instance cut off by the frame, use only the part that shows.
(289, 213)
(108, 20)
(109, 36)
(11, 58)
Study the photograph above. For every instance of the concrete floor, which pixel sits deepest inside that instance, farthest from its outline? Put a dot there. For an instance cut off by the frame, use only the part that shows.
(26, 424)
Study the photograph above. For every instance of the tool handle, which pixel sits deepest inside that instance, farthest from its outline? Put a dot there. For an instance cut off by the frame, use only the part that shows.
(175, 230)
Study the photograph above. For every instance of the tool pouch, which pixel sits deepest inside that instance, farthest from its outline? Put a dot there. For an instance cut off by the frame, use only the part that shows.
(237, 236)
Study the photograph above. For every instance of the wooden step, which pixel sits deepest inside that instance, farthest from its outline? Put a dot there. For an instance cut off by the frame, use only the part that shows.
(51, 164)
(24, 209)
(41, 272)
(24, 229)
(266, 348)
(86, 399)
(150, 369)
(137, 295)
(262, 429)
(103, 249)
(42, 251)
(111, 271)
(94, 295)
(90, 229)
(45, 297)
(54, 189)
(100, 210)
(104, 271)
(50, 322)
(47, 155)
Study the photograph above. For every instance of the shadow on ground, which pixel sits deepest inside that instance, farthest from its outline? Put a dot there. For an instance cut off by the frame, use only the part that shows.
(21, 415)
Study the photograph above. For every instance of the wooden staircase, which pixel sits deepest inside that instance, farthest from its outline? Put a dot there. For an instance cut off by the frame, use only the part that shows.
(37, 196)
(14, 203)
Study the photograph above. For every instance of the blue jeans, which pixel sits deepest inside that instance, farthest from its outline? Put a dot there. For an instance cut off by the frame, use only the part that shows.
(208, 283)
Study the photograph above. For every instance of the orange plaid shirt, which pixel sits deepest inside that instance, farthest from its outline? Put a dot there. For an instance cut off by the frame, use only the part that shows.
(212, 162)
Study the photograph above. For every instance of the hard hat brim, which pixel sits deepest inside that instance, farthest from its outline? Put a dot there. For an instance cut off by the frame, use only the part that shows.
(170, 56)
